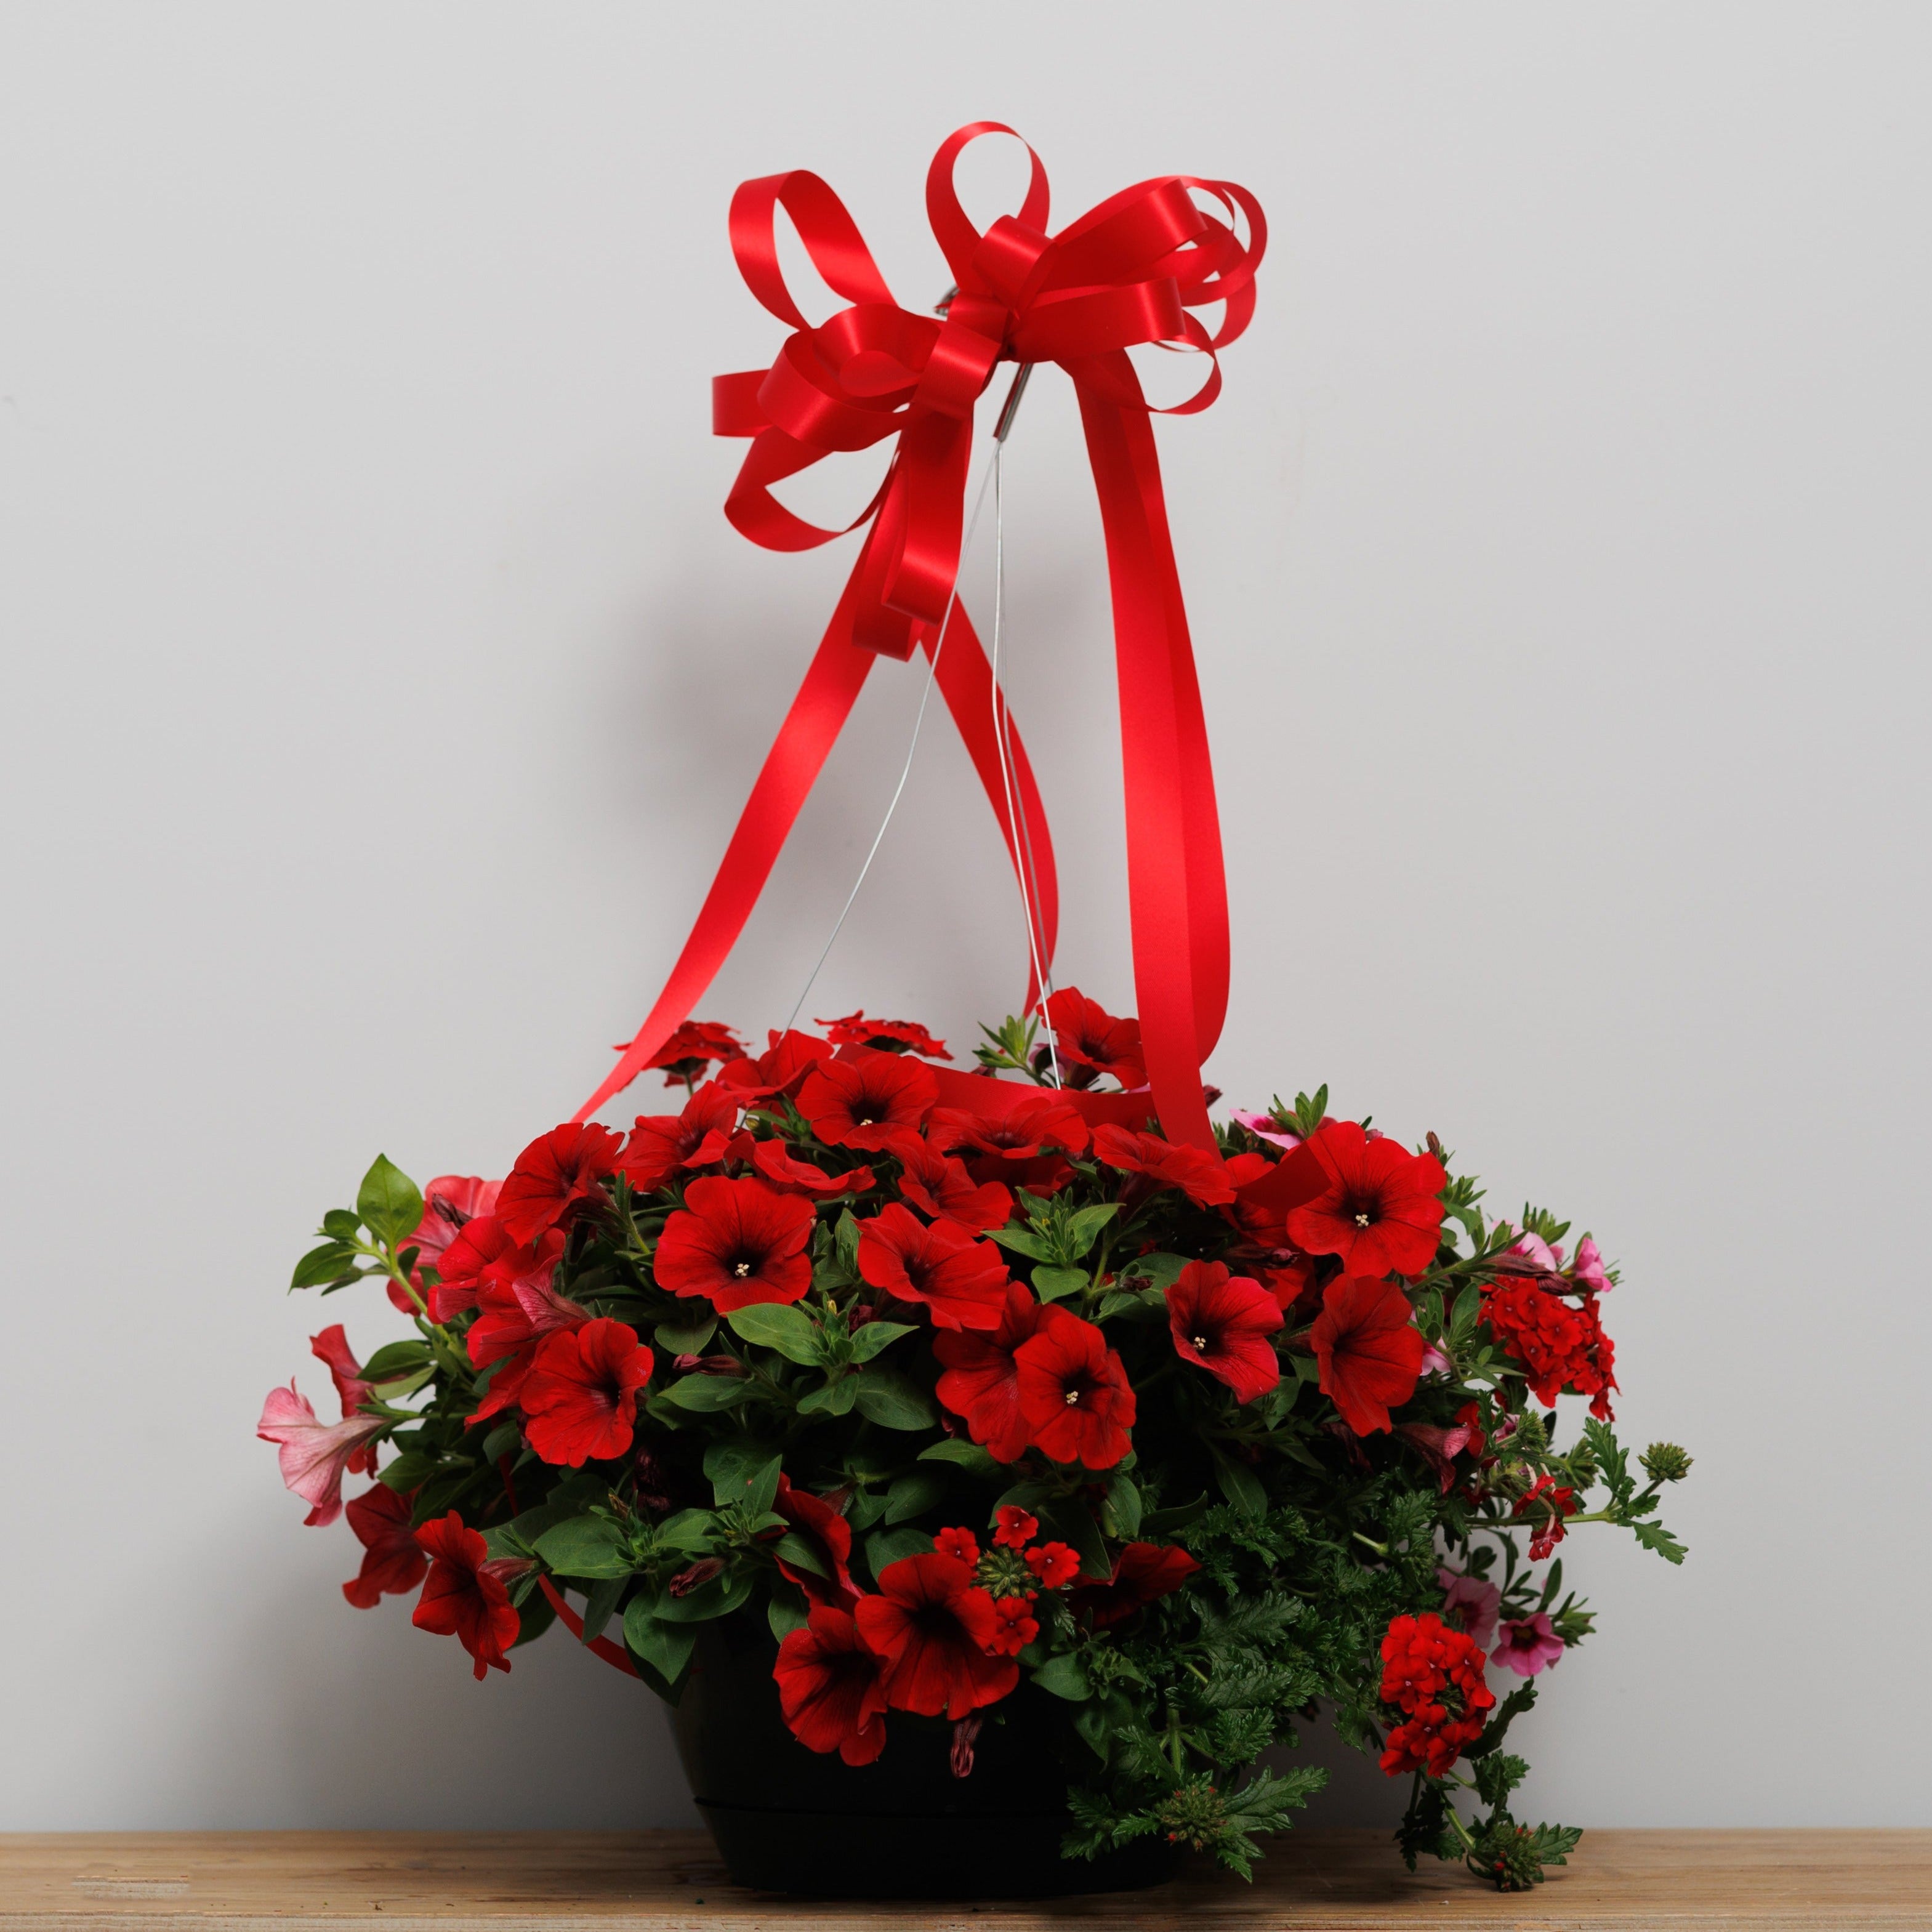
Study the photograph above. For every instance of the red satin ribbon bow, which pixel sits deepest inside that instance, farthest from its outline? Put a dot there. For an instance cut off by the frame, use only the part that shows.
(1125, 273)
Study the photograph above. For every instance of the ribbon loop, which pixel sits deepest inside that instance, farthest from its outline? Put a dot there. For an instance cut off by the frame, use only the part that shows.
(1126, 274)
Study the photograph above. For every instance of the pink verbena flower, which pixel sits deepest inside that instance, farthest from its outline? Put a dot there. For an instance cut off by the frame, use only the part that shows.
(1471, 1604)
(1530, 1645)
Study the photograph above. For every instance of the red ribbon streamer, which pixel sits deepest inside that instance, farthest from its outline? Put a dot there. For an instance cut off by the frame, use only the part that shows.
(1127, 273)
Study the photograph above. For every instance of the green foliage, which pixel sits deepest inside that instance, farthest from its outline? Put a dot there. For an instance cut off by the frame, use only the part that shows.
(1309, 1540)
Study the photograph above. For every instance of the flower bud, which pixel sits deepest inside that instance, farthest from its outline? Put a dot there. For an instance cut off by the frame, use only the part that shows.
(1665, 1463)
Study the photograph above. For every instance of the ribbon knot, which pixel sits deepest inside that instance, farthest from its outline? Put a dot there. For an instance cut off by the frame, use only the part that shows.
(1127, 274)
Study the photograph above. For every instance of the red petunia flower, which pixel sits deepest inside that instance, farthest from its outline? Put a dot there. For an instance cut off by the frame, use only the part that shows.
(314, 1455)
(466, 1596)
(981, 1378)
(827, 1532)
(1264, 1201)
(1379, 1210)
(1054, 1565)
(865, 1102)
(961, 1282)
(1223, 1321)
(460, 1267)
(934, 1624)
(737, 1242)
(1086, 1035)
(1074, 1393)
(1017, 1627)
(831, 1686)
(1040, 1124)
(781, 1070)
(885, 1035)
(392, 1564)
(692, 1048)
(332, 1347)
(662, 1145)
(519, 1303)
(1561, 1346)
(1143, 1573)
(580, 1395)
(1017, 1527)
(553, 1176)
(955, 1542)
(1368, 1349)
(776, 1162)
(450, 1202)
(1197, 1173)
(937, 1185)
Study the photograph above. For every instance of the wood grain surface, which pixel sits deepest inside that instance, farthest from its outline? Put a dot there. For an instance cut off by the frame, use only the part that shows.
(88, 1882)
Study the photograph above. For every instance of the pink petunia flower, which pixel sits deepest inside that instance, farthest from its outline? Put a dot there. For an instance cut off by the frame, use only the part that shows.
(1588, 1270)
(1266, 1127)
(1471, 1604)
(1530, 1645)
(313, 1454)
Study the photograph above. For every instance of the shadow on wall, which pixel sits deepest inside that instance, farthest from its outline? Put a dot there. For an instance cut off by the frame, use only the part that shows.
(348, 1719)
(1357, 1793)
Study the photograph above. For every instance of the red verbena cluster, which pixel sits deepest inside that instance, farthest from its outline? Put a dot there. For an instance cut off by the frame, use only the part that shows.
(1434, 1675)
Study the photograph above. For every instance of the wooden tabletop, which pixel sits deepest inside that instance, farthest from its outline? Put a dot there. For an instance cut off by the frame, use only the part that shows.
(89, 1882)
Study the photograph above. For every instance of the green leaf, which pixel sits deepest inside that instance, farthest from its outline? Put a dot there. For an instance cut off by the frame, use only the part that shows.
(968, 1456)
(1241, 1486)
(1055, 1284)
(394, 1359)
(502, 1440)
(690, 1529)
(800, 1552)
(1083, 1229)
(1069, 1518)
(1163, 1270)
(729, 1466)
(1063, 1677)
(1023, 1242)
(754, 1489)
(845, 1241)
(685, 1333)
(704, 1395)
(912, 1495)
(790, 1331)
(1164, 1521)
(1117, 1302)
(835, 1398)
(1654, 1536)
(586, 1546)
(666, 1648)
(389, 1202)
(601, 1605)
(786, 1613)
(1123, 1506)
(395, 1391)
(887, 1546)
(341, 1224)
(876, 1336)
(717, 1598)
(889, 1398)
(409, 1471)
(330, 1262)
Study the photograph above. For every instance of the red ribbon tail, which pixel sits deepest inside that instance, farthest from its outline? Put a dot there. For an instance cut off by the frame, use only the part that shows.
(1174, 845)
(602, 1645)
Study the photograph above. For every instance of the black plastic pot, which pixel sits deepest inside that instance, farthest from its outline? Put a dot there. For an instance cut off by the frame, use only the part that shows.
(789, 1820)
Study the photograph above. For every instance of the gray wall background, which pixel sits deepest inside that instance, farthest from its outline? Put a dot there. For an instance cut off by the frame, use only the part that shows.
(383, 681)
